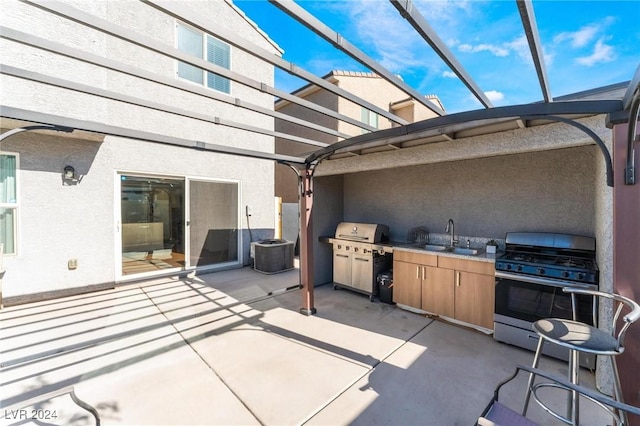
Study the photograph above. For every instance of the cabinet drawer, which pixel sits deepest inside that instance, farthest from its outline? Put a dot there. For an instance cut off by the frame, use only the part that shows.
(485, 268)
(412, 257)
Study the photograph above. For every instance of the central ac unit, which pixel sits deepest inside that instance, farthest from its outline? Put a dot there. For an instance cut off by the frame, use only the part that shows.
(272, 256)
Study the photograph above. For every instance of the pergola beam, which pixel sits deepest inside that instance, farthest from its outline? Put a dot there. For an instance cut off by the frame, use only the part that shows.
(232, 38)
(525, 7)
(106, 129)
(318, 27)
(130, 36)
(417, 21)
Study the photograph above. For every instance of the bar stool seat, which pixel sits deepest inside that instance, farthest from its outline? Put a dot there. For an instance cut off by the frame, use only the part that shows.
(581, 337)
(577, 335)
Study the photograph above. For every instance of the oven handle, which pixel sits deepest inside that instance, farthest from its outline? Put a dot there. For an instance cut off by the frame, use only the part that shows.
(543, 281)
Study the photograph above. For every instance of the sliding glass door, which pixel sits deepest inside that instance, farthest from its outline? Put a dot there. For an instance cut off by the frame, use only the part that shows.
(175, 224)
(152, 217)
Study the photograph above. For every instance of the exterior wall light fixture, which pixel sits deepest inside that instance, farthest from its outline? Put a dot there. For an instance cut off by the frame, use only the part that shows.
(69, 173)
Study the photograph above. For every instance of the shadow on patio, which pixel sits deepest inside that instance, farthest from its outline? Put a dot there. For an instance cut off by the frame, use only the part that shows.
(219, 349)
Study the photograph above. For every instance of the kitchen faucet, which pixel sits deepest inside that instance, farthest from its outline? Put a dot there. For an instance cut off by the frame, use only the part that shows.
(449, 228)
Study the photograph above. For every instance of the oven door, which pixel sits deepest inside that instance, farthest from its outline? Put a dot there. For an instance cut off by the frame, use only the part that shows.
(521, 299)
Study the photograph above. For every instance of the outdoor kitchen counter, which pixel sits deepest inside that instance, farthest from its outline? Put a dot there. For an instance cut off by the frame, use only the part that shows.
(482, 256)
(392, 246)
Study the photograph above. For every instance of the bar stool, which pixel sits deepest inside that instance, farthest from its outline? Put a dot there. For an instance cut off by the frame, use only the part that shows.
(580, 337)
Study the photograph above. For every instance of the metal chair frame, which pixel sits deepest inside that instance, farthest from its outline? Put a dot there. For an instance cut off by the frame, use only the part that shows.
(613, 407)
(620, 302)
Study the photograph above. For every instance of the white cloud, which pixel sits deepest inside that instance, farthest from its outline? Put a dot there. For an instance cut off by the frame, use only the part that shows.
(495, 50)
(601, 53)
(578, 38)
(494, 95)
(449, 74)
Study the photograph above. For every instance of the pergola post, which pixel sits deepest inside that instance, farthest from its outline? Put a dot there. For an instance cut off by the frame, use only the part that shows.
(306, 243)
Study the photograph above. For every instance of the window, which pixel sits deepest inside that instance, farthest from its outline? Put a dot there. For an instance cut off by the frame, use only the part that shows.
(8, 202)
(208, 48)
(368, 117)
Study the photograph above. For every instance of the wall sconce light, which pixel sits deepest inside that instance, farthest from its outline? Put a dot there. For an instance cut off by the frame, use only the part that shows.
(69, 173)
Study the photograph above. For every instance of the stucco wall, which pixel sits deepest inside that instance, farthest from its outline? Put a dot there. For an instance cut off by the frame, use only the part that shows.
(60, 222)
(548, 191)
(148, 22)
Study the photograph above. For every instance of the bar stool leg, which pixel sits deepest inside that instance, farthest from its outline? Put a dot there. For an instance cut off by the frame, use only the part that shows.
(617, 390)
(536, 360)
(573, 405)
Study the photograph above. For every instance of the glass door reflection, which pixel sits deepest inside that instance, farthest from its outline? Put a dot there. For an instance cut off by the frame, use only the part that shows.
(152, 217)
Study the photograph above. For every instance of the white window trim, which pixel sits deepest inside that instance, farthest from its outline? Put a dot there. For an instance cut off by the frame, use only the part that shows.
(15, 206)
(203, 57)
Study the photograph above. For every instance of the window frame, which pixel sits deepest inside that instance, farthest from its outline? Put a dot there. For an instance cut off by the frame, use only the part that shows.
(367, 117)
(204, 57)
(15, 206)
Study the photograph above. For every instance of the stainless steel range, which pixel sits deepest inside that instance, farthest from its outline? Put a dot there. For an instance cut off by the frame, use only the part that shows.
(529, 281)
(359, 256)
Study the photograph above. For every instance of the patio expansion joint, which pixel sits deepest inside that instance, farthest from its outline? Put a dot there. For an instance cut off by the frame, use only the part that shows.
(367, 371)
(188, 343)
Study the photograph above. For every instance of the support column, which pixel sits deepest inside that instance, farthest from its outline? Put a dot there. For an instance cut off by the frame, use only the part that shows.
(626, 268)
(306, 243)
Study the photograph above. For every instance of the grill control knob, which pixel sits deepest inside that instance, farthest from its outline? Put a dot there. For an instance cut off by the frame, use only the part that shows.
(508, 266)
(541, 271)
(565, 274)
(580, 276)
(519, 268)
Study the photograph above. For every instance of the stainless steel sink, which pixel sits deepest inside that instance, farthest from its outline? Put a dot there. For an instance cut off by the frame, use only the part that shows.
(463, 250)
(456, 250)
(434, 247)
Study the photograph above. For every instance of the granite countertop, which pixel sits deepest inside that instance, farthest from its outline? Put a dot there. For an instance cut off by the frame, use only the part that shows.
(482, 256)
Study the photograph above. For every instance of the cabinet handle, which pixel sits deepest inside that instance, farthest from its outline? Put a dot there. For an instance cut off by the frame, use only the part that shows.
(417, 272)
(457, 279)
(424, 272)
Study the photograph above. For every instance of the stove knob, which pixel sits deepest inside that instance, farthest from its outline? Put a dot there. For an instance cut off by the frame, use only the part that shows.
(580, 276)
(339, 246)
(541, 271)
(355, 249)
(565, 274)
(508, 266)
(347, 247)
(519, 268)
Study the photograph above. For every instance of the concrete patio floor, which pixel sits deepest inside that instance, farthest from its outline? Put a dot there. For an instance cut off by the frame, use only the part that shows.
(217, 349)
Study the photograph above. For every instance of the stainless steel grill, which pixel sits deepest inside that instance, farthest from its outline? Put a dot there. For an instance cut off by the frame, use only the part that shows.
(359, 255)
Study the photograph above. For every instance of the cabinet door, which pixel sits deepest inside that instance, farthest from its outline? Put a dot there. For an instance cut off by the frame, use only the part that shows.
(341, 268)
(362, 273)
(474, 298)
(407, 280)
(438, 291)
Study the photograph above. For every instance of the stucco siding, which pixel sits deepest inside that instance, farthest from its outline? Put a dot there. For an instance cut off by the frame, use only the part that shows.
(134, 16)
(58, 222)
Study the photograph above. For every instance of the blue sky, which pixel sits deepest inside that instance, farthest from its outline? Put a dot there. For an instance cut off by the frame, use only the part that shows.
(586, 44)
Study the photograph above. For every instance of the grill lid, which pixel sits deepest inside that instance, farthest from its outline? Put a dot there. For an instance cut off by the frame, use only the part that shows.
(363, 232)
